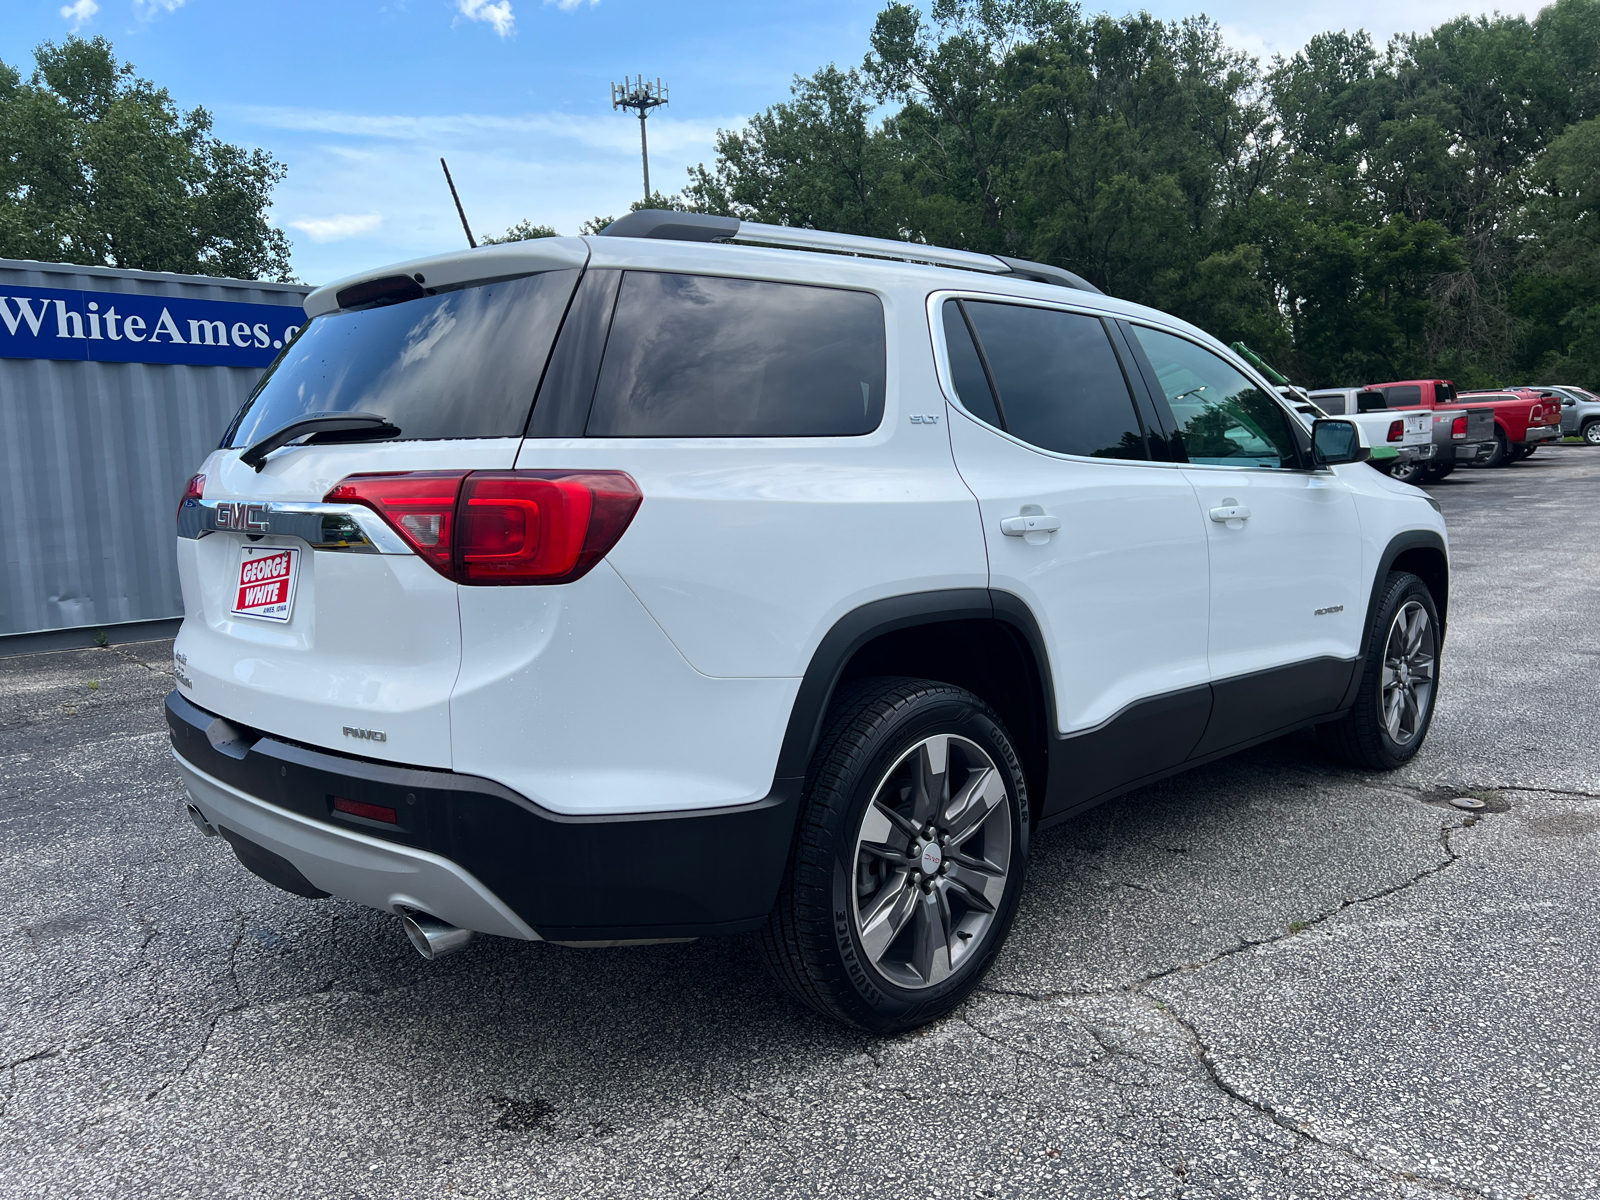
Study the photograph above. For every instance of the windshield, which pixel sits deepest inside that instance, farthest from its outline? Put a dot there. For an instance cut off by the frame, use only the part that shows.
(461, 364)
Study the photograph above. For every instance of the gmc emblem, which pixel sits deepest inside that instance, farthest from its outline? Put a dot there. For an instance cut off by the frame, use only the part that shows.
(248, 518)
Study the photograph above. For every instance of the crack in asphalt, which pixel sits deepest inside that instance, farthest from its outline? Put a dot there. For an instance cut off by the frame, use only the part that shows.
(1203, 1052)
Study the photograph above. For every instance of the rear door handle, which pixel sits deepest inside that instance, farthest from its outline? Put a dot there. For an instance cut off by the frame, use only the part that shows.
(1029, 523)
(1229, 513)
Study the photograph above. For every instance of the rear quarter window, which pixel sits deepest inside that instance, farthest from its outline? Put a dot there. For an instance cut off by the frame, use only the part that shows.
(461, 364)
(703, 356)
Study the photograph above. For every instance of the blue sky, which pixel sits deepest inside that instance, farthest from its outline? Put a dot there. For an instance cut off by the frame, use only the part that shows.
(360, 99)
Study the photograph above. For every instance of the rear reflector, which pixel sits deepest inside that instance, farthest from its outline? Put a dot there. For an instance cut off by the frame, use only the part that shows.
(502, 527)
(360, 808)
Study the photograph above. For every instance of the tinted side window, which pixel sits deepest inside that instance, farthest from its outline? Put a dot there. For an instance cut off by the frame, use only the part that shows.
(1060, 385)
(699, 356)
(966, 368)
(1222, 418)
(462, 364)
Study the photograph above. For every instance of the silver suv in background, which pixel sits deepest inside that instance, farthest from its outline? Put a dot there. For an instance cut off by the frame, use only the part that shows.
(1580, 412)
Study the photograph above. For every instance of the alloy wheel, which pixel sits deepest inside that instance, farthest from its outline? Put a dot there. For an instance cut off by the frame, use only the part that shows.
(1408, 673)
(1591, 433)
(931, 861)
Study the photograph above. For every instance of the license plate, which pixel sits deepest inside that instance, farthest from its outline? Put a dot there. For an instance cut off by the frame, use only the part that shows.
(265, 585)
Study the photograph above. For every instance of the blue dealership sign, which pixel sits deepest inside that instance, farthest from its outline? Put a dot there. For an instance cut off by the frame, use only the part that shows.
(129, 327)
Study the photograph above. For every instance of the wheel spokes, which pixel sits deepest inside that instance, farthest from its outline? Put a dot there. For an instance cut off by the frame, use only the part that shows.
(971, 806)
(930, 784)
(979, 889)
(894, 906)
(930, 951)
(922, 899)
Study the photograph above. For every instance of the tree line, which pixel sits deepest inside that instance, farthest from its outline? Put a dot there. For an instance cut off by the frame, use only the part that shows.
(1354, 214)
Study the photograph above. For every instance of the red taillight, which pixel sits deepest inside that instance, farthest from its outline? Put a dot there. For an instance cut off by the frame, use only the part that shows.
(195, 489)
(360, 808)
(421, 505)
(1397, 431)
(502, 527)
(1458, 427)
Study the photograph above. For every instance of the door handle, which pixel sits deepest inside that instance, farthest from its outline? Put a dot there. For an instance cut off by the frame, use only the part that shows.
(1040, 522)
(1230, 512)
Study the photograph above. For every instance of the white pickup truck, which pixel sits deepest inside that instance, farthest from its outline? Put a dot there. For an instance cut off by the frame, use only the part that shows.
(1396, 439)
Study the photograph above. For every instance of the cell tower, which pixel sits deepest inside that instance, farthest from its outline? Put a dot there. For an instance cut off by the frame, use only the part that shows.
(642, 94)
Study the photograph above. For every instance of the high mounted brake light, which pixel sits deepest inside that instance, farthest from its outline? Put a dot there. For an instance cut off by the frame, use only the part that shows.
(502, 527)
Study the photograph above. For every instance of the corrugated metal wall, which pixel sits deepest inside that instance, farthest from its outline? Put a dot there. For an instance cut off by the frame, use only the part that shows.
(93, 458)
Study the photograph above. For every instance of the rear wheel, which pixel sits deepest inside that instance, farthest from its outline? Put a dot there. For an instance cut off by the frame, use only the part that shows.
(1400, 680)
(1528, 451)
(1591, 433)
(1410, 471)
(1437, 473)
(909, 860)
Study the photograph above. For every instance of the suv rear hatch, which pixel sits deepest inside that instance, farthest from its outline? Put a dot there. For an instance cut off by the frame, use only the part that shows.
(308, 616)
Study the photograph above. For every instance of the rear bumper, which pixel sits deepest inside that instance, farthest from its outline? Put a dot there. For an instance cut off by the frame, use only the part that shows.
(1541, 433)
(473, 853)
(1471, 452)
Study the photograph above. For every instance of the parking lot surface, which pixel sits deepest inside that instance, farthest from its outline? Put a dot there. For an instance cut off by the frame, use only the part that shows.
(1272, 977)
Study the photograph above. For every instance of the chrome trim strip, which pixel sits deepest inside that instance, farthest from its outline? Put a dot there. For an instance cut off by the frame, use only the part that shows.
(343, 528)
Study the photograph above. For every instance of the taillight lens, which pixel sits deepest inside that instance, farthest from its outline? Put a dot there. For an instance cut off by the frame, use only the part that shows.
(1397, 431)
(1458, 427)
(421, 505)
(195, 489)
(502, 527)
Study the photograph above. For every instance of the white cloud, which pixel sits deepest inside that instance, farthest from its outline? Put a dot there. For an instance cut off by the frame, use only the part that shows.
(569, 5)
(79, 13)
(497, 14)
(337, 228)
(149, 10)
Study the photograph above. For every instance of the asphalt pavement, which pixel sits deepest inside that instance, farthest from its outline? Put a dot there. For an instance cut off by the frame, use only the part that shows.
(1273, 977)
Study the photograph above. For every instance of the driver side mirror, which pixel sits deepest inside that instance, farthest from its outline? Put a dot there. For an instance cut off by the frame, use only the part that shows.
(1334, 442)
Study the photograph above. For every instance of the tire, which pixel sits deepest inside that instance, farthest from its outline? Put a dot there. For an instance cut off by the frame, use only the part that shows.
(859, 933)
(1437, 473)
(1501, 455)
(1591, 433)
(1528, 451)
(1412, 471)
(1382, 732)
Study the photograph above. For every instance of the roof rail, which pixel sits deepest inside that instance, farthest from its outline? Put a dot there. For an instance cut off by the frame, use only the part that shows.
(703, 227)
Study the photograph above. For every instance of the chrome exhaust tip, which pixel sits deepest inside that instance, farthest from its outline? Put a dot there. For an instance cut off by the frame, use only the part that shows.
(200, 822)
(433, 937)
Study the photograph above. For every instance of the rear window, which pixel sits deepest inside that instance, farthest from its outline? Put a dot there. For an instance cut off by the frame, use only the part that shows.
(1403, 397)
(700, 356)
(462, 364)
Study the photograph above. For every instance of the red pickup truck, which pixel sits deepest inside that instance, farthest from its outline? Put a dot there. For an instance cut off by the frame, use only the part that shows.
(1523, 417)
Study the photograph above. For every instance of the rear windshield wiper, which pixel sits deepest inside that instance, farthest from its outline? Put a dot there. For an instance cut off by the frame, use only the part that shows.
(342, 426)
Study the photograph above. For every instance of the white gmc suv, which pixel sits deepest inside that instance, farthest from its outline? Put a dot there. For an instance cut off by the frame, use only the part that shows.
(705, 577)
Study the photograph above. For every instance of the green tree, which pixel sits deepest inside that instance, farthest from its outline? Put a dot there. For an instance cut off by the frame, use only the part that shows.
(1354, 214)
(523, 231)
(100, 167)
